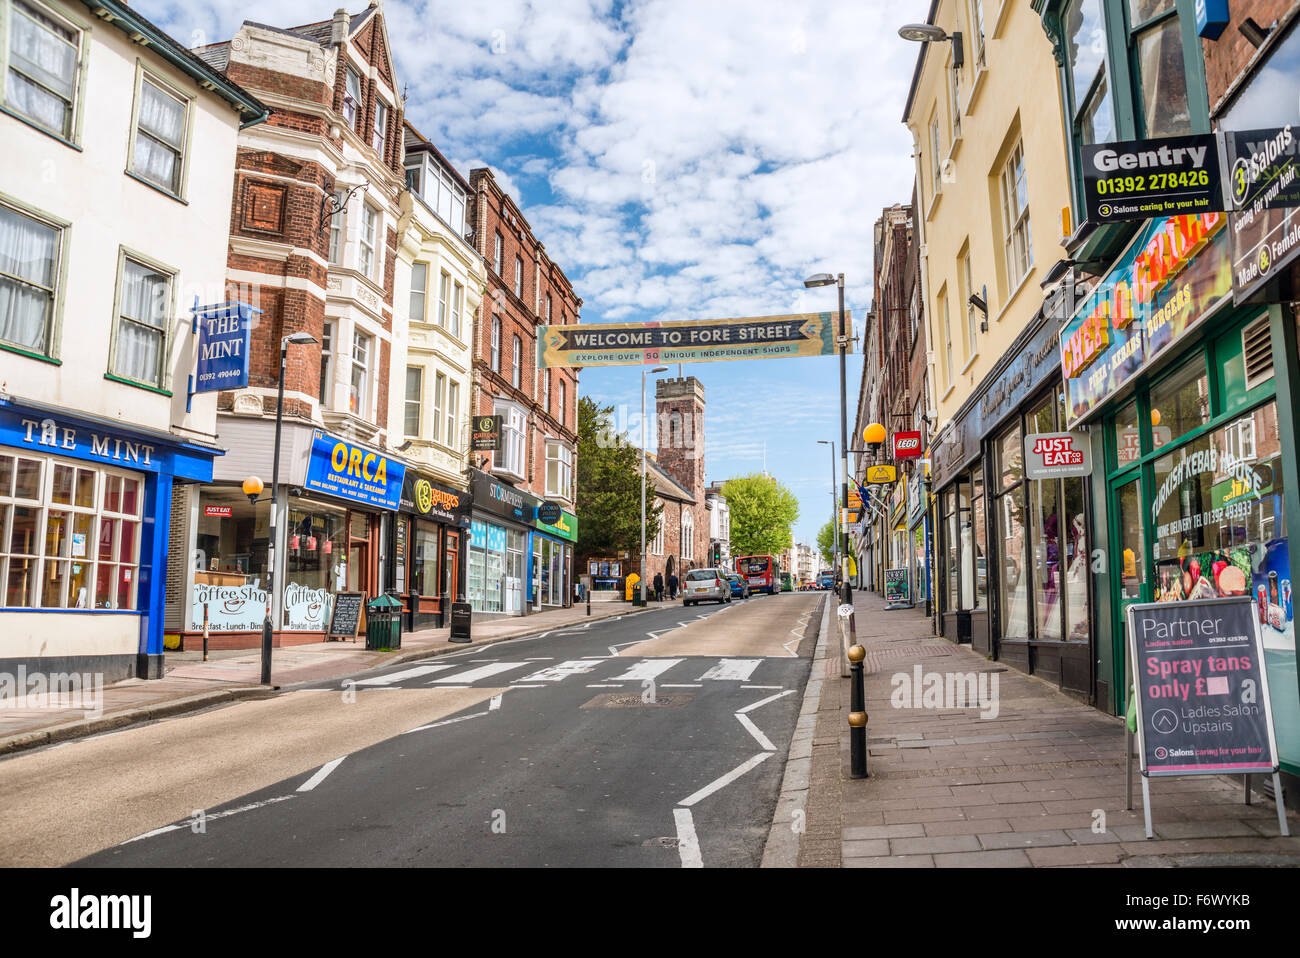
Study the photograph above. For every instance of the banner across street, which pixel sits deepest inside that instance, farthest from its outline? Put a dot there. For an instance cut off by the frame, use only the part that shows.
(692, 340)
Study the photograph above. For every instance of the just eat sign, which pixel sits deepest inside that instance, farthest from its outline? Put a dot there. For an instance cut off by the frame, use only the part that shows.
(1050, 455)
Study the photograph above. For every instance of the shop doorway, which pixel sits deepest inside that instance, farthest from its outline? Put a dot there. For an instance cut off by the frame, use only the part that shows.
(451, 554)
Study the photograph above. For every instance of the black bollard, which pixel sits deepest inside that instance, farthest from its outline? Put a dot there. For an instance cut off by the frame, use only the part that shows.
(857, 714)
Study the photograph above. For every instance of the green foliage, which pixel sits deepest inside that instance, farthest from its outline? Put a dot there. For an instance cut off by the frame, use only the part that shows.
(762, 512)
(609, 487)
(826, 543)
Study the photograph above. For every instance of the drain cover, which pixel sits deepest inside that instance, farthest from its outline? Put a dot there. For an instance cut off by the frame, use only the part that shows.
(632, 700)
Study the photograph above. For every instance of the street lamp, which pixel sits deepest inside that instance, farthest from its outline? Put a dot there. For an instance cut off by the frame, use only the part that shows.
(253, 488)
(834, 505)
(929, 33)
(644, 373)
(842, 341)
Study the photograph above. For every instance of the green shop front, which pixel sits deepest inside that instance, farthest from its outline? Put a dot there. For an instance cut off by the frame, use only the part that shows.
(1186, 399)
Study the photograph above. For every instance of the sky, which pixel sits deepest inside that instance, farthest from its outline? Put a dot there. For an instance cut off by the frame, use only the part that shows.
(679, 159)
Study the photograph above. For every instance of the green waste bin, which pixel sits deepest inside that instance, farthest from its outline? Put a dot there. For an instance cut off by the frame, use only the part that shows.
(383, 623)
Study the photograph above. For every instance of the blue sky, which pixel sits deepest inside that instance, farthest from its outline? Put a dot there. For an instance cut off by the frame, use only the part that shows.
(679, 159)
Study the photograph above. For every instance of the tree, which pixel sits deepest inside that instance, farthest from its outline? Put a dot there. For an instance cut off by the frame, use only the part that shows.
(762, 512)
(609, 487)
(826, 542)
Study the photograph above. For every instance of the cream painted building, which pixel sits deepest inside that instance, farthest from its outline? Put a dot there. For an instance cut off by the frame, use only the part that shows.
(992, 179)
(115, 196)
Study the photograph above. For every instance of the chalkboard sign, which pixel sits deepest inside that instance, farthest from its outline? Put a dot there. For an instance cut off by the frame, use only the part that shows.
(1202, 703)
(461, 613)
(345, 619)
(897, 586)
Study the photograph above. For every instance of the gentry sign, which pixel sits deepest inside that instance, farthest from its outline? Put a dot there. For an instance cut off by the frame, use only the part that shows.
(687, 341)
(1140, 179)
(1202, 703)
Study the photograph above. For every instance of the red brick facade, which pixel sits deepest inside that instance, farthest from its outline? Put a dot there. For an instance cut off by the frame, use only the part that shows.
(1227, 57)
(493, 213)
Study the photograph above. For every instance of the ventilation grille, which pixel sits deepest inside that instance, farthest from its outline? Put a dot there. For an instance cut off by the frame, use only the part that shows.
(1257, 349)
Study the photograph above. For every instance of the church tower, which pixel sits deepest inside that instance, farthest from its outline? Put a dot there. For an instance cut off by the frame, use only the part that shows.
(679, 408)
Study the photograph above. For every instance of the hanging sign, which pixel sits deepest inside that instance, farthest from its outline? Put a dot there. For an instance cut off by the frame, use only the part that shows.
(907, 445)
(688, 341)
(1052, 455)
(1264, 189)
(224, 333)
(486, 434)
(879, 475)
(1141, 179)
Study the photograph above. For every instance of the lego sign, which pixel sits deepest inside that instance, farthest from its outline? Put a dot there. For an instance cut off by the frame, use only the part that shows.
(1051, 455)
(907, 445)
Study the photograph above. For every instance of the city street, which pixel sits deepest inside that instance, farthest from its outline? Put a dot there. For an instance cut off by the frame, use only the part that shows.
(650, 740)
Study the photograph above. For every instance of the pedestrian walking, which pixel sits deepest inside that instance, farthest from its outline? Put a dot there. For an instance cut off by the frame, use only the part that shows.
(672, 586)
(659, 586)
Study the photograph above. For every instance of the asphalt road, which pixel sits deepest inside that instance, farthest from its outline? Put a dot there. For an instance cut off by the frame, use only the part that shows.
(656, 739)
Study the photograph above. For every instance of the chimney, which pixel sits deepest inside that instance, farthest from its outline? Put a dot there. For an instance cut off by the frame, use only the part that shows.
(339, 29)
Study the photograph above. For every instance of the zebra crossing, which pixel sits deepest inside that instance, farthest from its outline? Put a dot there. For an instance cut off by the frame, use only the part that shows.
(687, 673)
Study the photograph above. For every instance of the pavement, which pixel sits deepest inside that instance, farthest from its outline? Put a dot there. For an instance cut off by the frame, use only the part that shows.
(190, 684)
(1041, 783)
(579, 746)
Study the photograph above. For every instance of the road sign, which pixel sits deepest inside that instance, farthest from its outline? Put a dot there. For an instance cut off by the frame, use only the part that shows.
(688, 341)
(879, 475)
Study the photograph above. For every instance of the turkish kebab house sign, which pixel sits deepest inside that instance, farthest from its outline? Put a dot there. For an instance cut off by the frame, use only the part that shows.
(687, 341)
(1175, 272)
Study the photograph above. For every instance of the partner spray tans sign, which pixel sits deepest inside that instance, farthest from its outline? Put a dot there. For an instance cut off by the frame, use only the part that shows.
(1202, 692)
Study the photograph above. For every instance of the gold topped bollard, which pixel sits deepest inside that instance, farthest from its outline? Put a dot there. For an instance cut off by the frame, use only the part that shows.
(857, 714)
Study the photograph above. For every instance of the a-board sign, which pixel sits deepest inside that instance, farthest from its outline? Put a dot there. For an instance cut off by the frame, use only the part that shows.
(1202, 703)
(897, 585)
(345, 618)
(461, 613)
(1143, 179)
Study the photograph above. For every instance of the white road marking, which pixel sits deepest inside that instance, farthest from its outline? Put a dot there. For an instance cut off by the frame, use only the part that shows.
(405, 674)
(763, 741)
(320, 775)
(613, 649)
(495, 702)
(688, 843)
(210, 818)
(516, 685)
(482, 672)
(450, 721)
(762, 687)
(604, 686)
(727, 779)
(646, 669)
(557, 673)
(732, 670)
(541, 658)
(761, 702)
(688, 685)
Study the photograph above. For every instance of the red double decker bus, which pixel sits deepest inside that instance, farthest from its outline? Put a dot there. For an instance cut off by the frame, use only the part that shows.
(763, 573)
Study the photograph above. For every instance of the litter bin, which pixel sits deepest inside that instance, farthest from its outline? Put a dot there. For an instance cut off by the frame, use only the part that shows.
(383, 623)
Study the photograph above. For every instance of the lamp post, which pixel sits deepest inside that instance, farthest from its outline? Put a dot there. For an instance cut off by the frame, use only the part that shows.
(834, 505)
(253, 488)
(842, 341)
(874, 435)
(644, 373)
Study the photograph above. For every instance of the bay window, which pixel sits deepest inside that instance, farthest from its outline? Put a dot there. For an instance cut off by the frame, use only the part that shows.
(369, 240)
(414, 400)
(457, 308)
(419, 291)
(511, 457)
(559, 469)
(359, 383)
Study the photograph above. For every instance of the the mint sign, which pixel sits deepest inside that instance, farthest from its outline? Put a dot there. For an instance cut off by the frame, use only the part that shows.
(224, 333)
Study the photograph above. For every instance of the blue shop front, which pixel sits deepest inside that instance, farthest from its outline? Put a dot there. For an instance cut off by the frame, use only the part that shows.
(85, 509)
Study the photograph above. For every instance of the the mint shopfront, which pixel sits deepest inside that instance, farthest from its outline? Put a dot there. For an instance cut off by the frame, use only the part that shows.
(1187, 400)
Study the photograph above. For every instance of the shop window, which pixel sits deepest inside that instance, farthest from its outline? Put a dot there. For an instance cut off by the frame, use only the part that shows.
(1014, 578)
(1046, 553)
(69, 535)
(980, 544)
(43, 62)
(1181, 402)
(1128, 440)
(314, 565)
(424, 560)
(1010, 457)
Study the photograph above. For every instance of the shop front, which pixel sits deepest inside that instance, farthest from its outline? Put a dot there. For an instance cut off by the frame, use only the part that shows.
(85, 512)
(500, 532)
(427, 549)
(334, 503)
(551, 578)
(1187, 398)
(1012, 551)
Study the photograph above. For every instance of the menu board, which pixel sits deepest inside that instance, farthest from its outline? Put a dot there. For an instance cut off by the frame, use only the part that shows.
(345, 619)
(897, 586)
(1202, 702)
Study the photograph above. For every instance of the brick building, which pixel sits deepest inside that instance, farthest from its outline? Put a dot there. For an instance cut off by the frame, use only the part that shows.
(517, 561)
(313, 245)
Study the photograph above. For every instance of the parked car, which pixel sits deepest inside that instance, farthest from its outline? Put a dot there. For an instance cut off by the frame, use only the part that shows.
(739, 587)
(703, 585)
